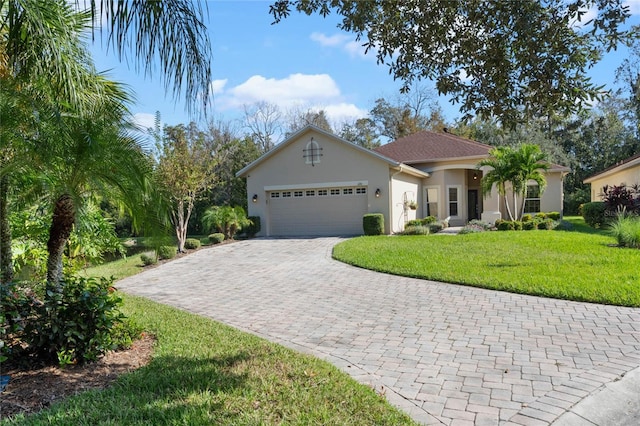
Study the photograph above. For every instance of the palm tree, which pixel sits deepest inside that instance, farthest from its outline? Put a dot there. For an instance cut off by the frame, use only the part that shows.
(500, 174)
(530, 163)
(514, 168)
(35, 36)
(92, 154)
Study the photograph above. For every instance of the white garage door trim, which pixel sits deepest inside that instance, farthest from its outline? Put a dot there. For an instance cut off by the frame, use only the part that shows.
(314, 211)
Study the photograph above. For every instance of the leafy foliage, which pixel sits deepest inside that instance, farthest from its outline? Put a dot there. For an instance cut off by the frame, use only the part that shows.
(506, 59)
(621, 199)
(68, 327)
(226, 219)
(192, 243)
(626, 230)
(373, 224)
(148, 259)
(252, 229)
(166, 252)
(216, 238)
(594, 214)
(416, 230)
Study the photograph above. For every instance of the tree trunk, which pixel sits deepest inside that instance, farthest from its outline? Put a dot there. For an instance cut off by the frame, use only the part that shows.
(6, 262)
(61, 227)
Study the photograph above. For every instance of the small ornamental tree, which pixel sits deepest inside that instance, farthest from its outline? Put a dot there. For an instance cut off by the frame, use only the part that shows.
(226, 220)
(185, 168)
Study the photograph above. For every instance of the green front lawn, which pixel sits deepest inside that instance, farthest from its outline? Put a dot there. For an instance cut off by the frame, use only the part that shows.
(206, 373)
(581, 264)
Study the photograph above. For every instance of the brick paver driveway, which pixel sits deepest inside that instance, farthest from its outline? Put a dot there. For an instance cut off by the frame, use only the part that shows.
(446, 354)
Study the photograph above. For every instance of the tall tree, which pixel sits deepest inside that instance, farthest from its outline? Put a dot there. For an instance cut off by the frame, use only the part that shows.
(506, 59)
(361, 132)
(185, 168)
(298, 119)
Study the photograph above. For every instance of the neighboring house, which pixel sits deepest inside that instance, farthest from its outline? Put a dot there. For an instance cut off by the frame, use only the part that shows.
(625, 172)
(315, 183)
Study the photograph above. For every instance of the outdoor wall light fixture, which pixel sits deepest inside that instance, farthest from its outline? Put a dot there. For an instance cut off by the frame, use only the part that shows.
(475, 175)
(255, 198)
(378, 193)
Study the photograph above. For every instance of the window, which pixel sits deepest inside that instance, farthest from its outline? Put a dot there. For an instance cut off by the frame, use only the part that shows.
(275, 195)
(431, 201)
(454, 200)
(361, 190)
(286, 194)
(297, 193)
(532, 199)
(335, 191)
(322, 192)
(312, 153)
(310, 193)
(347, 191)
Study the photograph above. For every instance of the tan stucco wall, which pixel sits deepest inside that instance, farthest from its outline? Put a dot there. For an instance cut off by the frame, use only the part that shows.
(339, 163)
(403, 186)
(629, 176)
(553, 196)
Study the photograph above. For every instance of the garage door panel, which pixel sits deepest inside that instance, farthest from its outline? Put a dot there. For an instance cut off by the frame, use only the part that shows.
(317, 215)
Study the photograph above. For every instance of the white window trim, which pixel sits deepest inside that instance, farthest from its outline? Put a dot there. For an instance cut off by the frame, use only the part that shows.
(458, 201)
(538, 198)
(437, 202)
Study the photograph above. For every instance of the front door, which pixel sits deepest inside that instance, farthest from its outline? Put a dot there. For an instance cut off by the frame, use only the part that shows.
(473, 204)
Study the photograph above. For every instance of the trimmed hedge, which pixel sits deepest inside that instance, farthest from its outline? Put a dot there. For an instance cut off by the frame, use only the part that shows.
(594, 213)
(216, 238)
(416, 230)
(192, 243)
(166, 252)
(373, 224)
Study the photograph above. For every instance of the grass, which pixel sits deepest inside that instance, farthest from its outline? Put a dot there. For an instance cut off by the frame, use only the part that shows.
(216, 375)
(579, 264)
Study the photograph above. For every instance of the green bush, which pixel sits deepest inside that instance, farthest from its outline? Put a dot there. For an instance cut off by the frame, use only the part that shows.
(192, 243)
(594, 213)
(529, 225)
(166, 252)
(505, 225)
(527, 218)
(434, 228)
(540, 215)
(517, 225)
(252, 229)
(148, 259)
(415, 230)
(216, 238)
(74, 325)
(373, 224)
(553, 216)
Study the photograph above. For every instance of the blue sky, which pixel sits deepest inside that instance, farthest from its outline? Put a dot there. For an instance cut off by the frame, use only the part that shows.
(302, 62)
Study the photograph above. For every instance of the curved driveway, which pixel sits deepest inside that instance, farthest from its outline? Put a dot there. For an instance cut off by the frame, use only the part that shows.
(445, 354)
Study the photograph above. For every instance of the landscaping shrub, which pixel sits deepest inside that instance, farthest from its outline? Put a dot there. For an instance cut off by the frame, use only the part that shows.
(192, 243)
(225, 219)
(148, 259)
(72, 326)
(373, 224)
(475, 226)
(594, 213)
(620, 198)
(529, 225)
(166, 252)
(540, 216)
(553, 216)
(505, 225)
(422, 222)
(216, 238)
(434, 228)
(416, 230)
(626, 230)
(414, 222)
(252, 229)
(527, 218)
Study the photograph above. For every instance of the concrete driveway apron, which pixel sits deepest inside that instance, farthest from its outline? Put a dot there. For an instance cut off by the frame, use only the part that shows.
(443, 353)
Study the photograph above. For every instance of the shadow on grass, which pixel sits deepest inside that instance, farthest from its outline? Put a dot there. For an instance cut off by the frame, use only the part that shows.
(577, 224)
(170, 390)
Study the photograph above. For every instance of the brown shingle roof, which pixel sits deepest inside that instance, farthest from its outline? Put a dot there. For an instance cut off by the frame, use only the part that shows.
(427, 146)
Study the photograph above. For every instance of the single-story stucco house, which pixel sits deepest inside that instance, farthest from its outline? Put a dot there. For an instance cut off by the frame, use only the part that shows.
(625, 172)
(316, 183)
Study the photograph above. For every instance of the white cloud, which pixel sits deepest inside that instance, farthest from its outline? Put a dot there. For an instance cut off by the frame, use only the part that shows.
(296, 91)
(342, 41)
(217, 86)
(144, 120)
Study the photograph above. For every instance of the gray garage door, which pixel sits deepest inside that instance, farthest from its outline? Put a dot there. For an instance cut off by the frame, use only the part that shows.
(326, 211)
